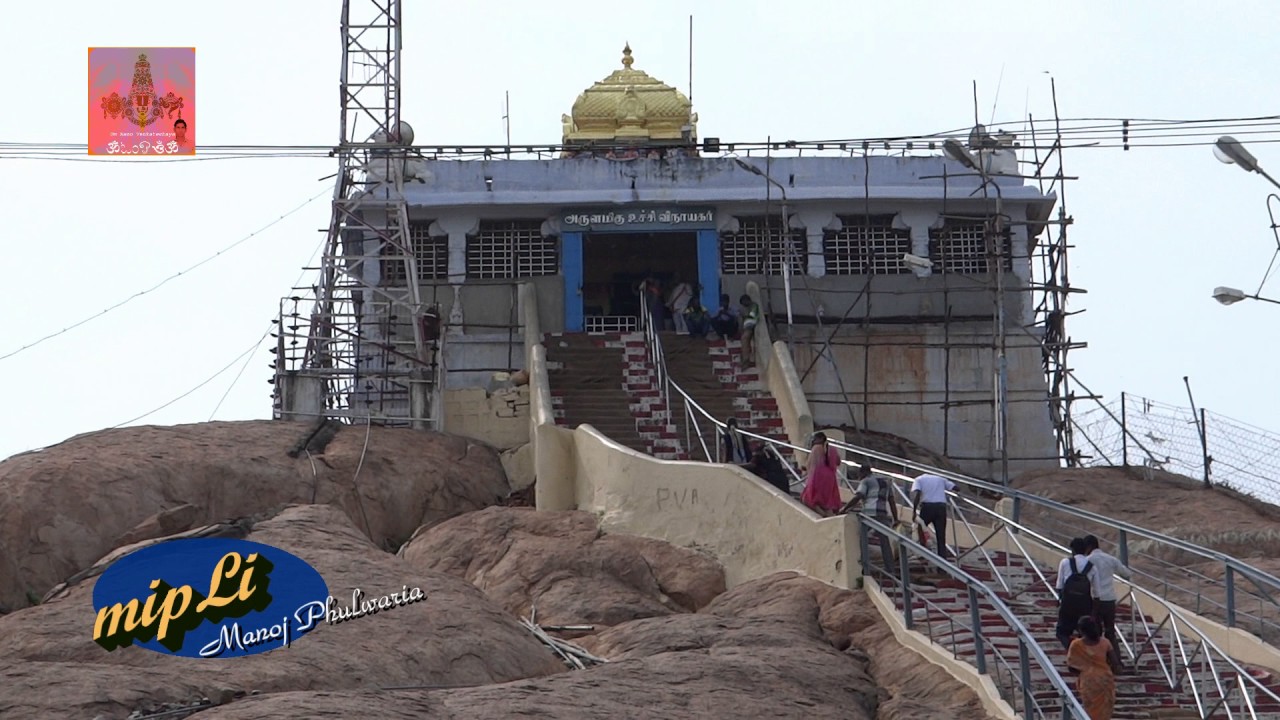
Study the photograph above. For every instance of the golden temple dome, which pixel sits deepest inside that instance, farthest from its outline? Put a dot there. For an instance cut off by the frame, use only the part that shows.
(630, 107)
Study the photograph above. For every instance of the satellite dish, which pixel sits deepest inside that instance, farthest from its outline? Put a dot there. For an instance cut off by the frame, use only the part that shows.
(406, 133)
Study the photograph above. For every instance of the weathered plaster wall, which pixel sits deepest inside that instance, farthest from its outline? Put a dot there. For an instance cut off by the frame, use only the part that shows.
(500, 419)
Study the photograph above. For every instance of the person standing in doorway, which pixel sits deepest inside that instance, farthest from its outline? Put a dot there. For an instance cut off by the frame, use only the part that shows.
(653, 302)
(821, 493)
(929, 501)
(677, 300)
(750, 318)
(1102, 578)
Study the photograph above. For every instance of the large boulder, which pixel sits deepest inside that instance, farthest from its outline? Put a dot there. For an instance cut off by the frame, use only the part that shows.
(50, 666)
(563, 565)
(64, 507)
(764, 649)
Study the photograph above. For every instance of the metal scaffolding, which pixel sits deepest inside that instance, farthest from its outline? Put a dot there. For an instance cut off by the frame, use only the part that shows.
(368, 349)
(1049, 290)
(1053, 289)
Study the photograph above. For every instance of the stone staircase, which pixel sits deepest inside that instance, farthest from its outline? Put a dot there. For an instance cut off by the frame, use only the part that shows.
(709, 372)
(1142, 693)
(607, 382)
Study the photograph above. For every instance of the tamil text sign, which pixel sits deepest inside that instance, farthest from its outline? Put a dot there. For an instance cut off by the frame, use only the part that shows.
(638, 219)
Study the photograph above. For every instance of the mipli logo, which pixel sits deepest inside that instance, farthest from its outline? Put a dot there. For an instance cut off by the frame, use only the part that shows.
(218, 597)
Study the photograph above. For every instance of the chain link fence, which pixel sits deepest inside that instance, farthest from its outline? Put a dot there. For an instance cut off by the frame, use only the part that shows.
(1138, 431)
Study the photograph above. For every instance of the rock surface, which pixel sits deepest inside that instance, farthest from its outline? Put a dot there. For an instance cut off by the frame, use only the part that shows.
(562, 563)
(50, 666)
(761, 651)
(678, 645)
(64, 507)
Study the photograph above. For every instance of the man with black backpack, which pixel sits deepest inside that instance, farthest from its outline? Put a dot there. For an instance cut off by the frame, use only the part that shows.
(1075, 591)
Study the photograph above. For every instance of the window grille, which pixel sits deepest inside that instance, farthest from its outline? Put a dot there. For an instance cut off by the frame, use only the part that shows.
(866, 245)
(430, 253)
(744, 252)
(508, 249)
(961, 247)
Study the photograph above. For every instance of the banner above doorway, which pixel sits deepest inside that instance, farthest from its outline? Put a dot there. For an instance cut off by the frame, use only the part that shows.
(638, 219)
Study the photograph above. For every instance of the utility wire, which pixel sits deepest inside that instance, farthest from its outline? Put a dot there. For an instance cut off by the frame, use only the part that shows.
(265, 333)
(1102, 130)
(166, 280)
(208, 380)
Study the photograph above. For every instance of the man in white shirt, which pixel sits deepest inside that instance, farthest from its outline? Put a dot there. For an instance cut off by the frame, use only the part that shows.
(677, 301)
(929, 499)
(1103, 579)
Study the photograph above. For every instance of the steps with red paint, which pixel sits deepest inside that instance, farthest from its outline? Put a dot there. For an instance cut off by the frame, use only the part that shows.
(710, 372)
(605, 380)
(1141, 693)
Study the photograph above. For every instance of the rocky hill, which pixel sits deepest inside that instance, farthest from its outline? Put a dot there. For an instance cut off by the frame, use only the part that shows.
(380, 509)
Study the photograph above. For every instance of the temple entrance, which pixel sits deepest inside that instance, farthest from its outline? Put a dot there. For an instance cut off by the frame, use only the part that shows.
(614, 265)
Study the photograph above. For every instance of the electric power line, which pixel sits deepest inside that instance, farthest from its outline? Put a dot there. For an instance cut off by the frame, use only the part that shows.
(166, 280)
(208, 380)
(264, 335)
(1103, 132)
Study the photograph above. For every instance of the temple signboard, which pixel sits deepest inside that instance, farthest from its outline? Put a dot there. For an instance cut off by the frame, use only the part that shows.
(638, 219)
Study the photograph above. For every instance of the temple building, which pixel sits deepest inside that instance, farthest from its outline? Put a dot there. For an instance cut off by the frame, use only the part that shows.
(901, 284)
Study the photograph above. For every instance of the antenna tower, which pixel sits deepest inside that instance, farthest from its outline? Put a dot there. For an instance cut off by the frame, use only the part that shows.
(359, 345)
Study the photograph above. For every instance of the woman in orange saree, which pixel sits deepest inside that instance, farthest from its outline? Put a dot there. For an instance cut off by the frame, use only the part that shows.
(1096, 685)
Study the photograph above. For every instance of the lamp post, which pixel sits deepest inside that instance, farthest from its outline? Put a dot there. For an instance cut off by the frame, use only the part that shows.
(1230, 151)
(1231, 296)
(1000, 409)
(956, 151)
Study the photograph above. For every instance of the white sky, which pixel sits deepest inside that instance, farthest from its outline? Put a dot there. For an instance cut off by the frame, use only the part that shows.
(1156, 229)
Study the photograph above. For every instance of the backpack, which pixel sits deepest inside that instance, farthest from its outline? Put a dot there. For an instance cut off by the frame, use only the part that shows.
(1077, 592)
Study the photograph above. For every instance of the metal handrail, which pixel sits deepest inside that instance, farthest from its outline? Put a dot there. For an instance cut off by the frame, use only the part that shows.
(1258, 576)
(1178, 626)
(1016, 494)
(1028, 648)
(1265, 581)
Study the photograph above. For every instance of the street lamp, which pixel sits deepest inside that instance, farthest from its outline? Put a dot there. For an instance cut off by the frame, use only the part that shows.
(1230, 151)
(1231, 296)
(956, 151)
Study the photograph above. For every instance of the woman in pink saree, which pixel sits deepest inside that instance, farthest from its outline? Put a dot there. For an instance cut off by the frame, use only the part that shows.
(821, 493)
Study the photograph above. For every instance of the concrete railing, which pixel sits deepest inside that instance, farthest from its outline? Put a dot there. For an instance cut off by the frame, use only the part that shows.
(784, 385)
(551, 452)
(751, 527)
(529, 318)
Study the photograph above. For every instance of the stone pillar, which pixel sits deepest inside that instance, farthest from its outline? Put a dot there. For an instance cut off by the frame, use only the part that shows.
(816, 223)
(458, 228)
(420, 399)
(1020, 259)
(301, 396)
(919, 222)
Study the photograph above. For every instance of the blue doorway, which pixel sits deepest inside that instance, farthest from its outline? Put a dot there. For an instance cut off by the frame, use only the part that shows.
(614, 264)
